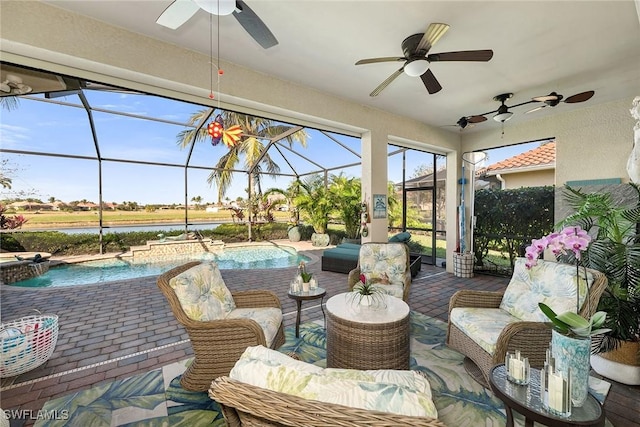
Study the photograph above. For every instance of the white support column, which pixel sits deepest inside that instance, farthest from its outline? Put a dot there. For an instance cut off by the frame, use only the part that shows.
(374, 181)
(454, 163)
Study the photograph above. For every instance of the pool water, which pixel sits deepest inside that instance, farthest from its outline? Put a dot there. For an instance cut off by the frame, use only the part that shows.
(109, 270)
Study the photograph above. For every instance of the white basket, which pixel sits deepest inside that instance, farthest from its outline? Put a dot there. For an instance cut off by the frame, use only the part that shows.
(27, 343)
(463, 264)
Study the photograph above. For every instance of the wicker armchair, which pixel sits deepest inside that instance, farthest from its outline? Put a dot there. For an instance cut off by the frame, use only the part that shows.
(397, 258)
(218, 344)
(531, 338)
(247, 405)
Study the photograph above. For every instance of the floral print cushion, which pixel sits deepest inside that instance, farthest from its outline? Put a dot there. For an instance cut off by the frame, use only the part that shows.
(398, 392)
(269, 319)
(384, 263)
(202, 292)
(482, 325)
(549, 282)
(393, 290)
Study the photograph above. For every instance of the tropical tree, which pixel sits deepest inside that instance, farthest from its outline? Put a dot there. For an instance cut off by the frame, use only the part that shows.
(9, 102)
(347, 195)
(197, 200)
(290, 193)
(255, 132)
(315, 203)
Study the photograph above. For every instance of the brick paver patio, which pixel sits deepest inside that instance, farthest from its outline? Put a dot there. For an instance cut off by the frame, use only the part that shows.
(115, 330)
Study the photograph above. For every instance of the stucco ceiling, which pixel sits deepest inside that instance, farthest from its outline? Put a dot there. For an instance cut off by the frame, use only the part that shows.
(539, 47)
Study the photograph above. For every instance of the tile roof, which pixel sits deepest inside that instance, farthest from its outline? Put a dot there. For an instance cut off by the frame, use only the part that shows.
(540, 156)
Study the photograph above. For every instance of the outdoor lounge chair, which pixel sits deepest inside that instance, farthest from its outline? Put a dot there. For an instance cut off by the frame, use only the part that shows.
(248, 318)
(387, 265)
(269, 389)
(484, 325)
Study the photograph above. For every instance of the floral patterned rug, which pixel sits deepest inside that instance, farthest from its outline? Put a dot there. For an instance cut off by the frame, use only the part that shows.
(156, 399)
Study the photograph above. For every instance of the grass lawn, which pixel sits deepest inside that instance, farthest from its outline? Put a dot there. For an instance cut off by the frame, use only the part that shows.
(90, 218)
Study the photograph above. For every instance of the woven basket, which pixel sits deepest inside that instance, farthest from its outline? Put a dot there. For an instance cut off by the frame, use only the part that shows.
(27, 343)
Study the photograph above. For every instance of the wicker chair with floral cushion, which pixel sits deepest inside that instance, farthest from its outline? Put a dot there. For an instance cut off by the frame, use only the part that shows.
(220, 324)
(267, 388)
(387, 266)
(484, 325)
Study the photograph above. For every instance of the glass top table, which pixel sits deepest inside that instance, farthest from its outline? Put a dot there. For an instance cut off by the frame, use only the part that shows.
(526, 400)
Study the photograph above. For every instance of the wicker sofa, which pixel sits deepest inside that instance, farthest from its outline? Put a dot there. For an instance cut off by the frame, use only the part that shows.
(218, 344)
(246, 405)
(478, 319)
(269, 388)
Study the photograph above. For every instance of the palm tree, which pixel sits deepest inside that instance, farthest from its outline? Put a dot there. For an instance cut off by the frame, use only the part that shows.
(315, 202)
(252, 144)
(347, 194)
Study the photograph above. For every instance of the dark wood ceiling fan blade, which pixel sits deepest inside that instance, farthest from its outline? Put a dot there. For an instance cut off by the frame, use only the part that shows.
(463, 55)
(430, 82)
(376, 60)
(386, 83)
(254, 25)
(431, 36)
(580, 97)
(476, 119)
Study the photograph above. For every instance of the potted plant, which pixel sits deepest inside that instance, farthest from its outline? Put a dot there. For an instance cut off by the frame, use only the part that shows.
(315, 203)
(364, 293)
(571, 334)
(615, 251)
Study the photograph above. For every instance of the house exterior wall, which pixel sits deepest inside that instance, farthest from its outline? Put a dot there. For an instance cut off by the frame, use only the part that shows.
(537, 178)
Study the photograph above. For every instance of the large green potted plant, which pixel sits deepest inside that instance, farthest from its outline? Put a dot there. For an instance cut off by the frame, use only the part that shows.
(347, 193)
(315, 203)
(615, 251)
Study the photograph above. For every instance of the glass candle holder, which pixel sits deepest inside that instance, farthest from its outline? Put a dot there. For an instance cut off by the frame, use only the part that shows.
(313, 283)
(517, 368)
(555, 390)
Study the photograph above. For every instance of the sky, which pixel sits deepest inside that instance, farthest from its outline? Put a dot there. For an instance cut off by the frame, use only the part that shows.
(64, 129)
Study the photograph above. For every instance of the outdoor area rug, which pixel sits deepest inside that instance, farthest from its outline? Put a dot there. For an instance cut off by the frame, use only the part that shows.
(156, 399)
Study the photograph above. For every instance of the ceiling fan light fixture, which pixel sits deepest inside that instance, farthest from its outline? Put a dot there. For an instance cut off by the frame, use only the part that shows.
(416, 68)
(503, 116)
(217, 7)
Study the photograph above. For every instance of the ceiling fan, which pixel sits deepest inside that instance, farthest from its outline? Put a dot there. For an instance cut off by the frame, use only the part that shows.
(180, 11)
(503, 114)
(416, 58)
(13, 86)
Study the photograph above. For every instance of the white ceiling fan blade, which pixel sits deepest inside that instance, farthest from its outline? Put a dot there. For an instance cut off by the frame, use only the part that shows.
(177, 13)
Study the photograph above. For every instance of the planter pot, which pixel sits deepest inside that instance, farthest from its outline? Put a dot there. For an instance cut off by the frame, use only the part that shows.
(320, 239)
(305, 286)
(294, 234)
(570, 352)
(622, 364)
(366, 300)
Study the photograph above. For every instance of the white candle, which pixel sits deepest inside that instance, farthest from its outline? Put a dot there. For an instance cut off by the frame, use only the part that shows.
(556, 388)
(516, 369)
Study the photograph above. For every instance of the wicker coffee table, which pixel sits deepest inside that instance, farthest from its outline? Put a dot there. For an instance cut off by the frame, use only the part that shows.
(365, 337)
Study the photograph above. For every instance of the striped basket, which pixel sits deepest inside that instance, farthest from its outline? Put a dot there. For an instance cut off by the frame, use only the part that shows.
(27, 343)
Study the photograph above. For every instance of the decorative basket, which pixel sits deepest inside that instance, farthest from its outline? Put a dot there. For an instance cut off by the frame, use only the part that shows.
(27, 343)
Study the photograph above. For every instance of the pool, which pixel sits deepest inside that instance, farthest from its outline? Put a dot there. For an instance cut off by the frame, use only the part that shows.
(112, 269)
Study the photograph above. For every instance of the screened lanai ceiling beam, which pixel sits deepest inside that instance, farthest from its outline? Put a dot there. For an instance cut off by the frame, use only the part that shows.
(104, 110)
(274, 140)
(300, 155)
(341, 144)
(286, 160)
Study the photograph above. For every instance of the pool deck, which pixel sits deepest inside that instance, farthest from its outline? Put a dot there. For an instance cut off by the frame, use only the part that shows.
(116, 330)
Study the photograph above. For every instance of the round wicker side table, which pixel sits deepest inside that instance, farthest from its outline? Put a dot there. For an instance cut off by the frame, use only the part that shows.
(367, 338)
